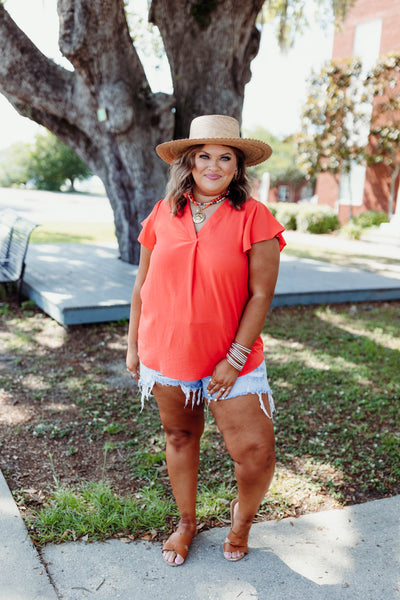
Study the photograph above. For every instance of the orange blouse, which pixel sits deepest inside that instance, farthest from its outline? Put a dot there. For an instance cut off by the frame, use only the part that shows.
(196, 287)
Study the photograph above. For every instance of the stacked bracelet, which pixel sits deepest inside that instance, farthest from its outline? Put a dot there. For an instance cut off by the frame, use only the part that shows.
(237, 355)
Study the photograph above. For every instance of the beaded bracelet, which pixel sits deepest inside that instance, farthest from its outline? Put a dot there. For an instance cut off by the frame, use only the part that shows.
(237, 355)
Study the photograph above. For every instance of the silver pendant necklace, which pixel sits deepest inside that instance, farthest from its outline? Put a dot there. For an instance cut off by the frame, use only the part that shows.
(199, 216)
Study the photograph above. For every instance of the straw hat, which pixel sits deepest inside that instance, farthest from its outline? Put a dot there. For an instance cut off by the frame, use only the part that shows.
(216, 129)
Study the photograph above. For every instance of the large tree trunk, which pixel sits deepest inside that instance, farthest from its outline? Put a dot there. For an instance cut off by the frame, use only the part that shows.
(209, 46)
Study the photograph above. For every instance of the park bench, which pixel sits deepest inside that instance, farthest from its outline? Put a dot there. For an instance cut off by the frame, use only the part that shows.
(15, 232)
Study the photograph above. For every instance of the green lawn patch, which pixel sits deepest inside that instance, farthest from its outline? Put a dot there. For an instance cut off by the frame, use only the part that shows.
(71, 232)
(96, 463)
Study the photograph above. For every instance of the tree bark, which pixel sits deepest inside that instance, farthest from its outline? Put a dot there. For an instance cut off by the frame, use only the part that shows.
(209, 44)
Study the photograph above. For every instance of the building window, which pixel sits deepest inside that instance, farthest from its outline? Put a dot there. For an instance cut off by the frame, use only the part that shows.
(283, 193)
(351, 186)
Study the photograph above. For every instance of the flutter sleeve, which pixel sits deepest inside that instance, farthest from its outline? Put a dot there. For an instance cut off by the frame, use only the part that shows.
(148, 235)
(261, 225)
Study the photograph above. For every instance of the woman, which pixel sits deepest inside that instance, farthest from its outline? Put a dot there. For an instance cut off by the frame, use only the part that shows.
(207, 274)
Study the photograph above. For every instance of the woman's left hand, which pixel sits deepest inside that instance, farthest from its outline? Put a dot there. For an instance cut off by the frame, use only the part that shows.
(222, 380)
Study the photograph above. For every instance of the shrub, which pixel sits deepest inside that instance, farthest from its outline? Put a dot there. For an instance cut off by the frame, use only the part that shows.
(286, 214)
(370, 218)
(351, 230)
(317, 219)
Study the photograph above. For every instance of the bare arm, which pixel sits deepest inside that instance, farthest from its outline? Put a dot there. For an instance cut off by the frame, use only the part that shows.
(263, 273)
(132, 358)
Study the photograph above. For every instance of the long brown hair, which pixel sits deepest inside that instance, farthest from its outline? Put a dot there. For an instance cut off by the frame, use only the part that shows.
(181, 181)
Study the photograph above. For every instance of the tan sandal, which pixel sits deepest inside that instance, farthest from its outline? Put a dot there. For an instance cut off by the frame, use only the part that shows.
(233, 542)
(178, 543)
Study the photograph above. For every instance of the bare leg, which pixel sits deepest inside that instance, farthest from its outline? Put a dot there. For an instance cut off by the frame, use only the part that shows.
(183, 428)
(249, 438)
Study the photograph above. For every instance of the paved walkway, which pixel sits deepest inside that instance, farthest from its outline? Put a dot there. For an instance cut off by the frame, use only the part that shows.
(347, 554)
(76, 283)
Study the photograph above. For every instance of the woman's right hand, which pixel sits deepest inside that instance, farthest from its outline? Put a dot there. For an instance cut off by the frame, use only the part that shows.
(132, 362)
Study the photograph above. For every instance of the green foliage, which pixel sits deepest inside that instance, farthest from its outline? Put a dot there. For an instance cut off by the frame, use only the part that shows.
(28, 305)
(357, 225)
(317, 219)
(281, 166)
(343, 400)
(337, 420)
(337, 112)
(384, 138)
(291, 17)
(52, 163)
(93, 510)
(332, 119)
(72, 232)
(145, 35)
(370, 218)
(384, 82)
(351, 230)
(287, 214)
(308, 218)
(48, 164)
(4, 308)
(14, 163)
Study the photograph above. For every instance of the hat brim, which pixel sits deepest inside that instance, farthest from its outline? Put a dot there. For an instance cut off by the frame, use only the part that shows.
(255, 151)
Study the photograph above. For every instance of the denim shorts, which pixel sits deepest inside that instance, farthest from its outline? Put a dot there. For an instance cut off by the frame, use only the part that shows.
(255, 382)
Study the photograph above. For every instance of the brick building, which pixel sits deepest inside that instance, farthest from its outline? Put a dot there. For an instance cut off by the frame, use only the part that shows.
(371, 29)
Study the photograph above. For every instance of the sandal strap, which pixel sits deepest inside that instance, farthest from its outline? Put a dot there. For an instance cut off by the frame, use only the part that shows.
(178, 543)
(237, 543)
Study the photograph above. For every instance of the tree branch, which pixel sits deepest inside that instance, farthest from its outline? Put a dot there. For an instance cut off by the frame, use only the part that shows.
(29, 76)
(94, 36)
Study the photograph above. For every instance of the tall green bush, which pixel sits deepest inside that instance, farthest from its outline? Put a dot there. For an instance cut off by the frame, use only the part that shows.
(286, 214)
(317, 219)
(306, 218)
(370, 218)
(355, 228)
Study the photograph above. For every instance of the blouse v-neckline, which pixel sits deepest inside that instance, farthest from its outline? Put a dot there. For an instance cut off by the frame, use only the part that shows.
(207, 221)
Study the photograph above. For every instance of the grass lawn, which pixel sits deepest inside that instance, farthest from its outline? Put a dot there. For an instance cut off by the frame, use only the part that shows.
(70, 232)
(376, 264)
(83, 461)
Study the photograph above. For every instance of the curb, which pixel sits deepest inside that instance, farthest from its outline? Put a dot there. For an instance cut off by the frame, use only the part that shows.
(22, 574)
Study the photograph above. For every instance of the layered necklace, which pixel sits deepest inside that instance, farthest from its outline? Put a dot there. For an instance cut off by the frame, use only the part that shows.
(199, 216)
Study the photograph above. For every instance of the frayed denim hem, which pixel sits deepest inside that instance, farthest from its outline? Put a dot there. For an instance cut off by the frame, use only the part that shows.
(145, 389)
(270, 398)
(196, 391)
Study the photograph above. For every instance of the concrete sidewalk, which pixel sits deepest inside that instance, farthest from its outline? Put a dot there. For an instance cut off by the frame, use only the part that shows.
(22, 574)
(78, 283)
(347, 554)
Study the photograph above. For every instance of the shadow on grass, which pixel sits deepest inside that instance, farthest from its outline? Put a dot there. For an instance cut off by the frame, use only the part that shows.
(334, 372)
(337, 386)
